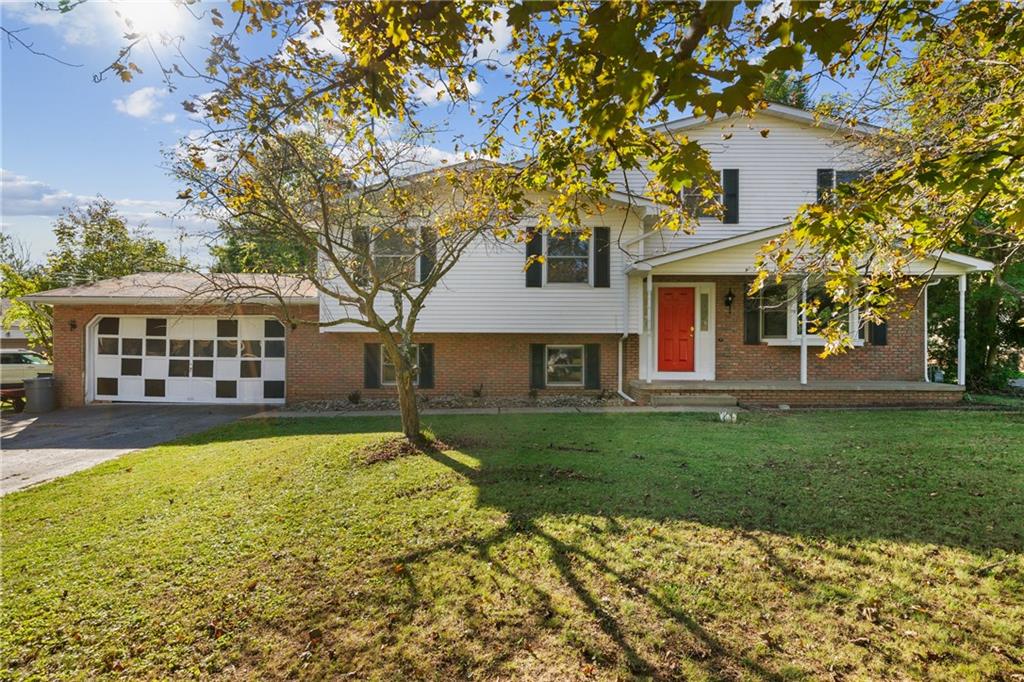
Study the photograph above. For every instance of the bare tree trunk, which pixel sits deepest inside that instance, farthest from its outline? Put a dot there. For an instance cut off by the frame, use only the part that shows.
(407, 404)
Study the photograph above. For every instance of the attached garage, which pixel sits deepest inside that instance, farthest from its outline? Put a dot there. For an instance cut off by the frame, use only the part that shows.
(176, 338)
(187, 359)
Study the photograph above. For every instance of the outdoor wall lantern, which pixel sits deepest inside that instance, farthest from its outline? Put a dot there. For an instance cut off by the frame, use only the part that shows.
(72, 325)
(729, 298)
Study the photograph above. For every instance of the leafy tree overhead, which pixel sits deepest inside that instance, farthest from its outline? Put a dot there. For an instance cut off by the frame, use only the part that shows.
(949, 169)
(94, 242)
(787, 88)
(245, 247)
(384, 227)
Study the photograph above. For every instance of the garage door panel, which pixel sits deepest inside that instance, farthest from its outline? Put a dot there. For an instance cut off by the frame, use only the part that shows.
(180, 328)
(108, 366)
(179, 390)
(250, 328)
(133, 326)
(130, 388)
(273, 368)
(184, 359)
(204, 328)
(201, 391)
(227, 368)
(250, 390)
(154, 368)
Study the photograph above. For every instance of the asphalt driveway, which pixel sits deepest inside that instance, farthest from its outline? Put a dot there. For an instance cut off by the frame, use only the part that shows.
(38, 448)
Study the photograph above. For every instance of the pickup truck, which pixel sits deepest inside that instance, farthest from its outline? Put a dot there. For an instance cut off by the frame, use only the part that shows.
(16, 365)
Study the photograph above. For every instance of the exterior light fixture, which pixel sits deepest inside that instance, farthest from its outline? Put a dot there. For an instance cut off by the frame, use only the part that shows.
(729, 298)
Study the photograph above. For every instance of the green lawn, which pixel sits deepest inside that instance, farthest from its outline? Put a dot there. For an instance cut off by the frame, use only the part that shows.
(865, 545)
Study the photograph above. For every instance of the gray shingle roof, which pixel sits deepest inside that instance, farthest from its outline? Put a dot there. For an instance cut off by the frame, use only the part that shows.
(177, 287)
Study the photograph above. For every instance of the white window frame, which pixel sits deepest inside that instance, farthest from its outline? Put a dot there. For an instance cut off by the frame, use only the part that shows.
(720, 198)
(384, 360)
(583, 366)
(792, 337)
(590, 263)
(375, 254)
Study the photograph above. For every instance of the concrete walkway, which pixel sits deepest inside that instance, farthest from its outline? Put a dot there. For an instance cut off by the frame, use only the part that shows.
(38, 448)
(292, 414)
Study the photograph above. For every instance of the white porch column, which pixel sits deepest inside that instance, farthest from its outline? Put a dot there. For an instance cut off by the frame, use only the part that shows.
(803, 331)
(926, 286)
(650, 327)
(961, 343)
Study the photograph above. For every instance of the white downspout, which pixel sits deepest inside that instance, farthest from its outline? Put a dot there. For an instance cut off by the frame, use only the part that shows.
(625, 335)
(803, 331)
(961, 343)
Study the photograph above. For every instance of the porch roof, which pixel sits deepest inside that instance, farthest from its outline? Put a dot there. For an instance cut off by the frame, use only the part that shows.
(744, 248)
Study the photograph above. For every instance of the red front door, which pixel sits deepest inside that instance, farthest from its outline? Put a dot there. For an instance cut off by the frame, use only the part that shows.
(675, 329)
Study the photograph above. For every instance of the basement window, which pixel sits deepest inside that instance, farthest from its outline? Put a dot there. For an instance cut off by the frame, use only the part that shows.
(564, 365)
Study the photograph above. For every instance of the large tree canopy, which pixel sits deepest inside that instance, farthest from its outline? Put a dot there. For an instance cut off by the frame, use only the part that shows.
(589, 82)
(94, 242)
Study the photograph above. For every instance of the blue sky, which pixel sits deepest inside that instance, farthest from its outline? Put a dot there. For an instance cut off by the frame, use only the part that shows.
(66, 139)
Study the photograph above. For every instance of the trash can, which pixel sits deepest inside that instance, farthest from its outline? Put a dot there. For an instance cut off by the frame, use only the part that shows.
(39, 395)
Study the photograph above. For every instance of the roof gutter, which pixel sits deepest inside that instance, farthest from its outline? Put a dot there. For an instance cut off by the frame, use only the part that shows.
(161, 300)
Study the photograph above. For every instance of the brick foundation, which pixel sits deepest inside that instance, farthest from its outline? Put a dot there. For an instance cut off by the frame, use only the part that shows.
(329, 365)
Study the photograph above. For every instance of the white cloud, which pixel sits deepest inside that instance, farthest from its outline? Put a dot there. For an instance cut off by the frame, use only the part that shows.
(328, 40)
(23, 197)
(167, 118)
(142, 103)
(496, 47)
(436, 92)
(773, 9)
(103, 23)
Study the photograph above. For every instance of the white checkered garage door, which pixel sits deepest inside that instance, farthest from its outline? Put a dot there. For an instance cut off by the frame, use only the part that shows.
(135, 358)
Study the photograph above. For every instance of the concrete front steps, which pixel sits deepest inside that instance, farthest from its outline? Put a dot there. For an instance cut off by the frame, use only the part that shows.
(691, 400)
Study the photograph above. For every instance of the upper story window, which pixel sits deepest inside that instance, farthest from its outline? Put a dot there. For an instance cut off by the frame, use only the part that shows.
(568, 259)
(394, 254)
(830, 178)
(696, 204)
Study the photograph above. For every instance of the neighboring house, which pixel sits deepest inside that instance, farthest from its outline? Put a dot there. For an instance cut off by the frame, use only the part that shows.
(15, 336)
(631, 311)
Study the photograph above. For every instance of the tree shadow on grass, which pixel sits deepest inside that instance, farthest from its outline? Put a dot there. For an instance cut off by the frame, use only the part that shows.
(825, 486)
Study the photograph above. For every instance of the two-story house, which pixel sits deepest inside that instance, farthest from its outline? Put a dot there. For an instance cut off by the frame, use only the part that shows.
(645, 314)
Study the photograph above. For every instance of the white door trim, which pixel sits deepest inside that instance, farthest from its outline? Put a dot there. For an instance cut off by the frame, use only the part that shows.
(703, 341)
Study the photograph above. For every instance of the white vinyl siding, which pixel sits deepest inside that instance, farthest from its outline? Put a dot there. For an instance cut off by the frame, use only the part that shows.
(486, 292)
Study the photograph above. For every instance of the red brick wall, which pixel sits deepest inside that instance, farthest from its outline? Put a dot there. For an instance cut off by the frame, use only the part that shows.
(901, 359)
(329, 365)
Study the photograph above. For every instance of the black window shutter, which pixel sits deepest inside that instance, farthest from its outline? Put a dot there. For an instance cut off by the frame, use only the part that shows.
(371, 365)
(751, 317)
(878, 333)
(602, 257)
(538, 366)
(731, 195)
(426, 360)
(361, 251)
(592, 365)
(428, 253)
(534, 247)
(825, 176)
